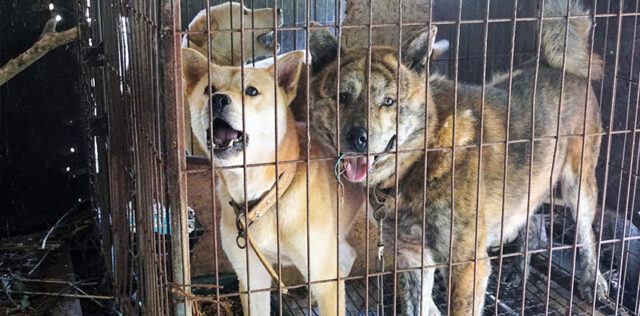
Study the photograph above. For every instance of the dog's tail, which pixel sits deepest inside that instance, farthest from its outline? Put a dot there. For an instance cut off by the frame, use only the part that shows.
(577, 39)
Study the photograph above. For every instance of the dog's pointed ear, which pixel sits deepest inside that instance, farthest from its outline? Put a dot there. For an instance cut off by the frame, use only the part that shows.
(194, 66)
(323, 47)
(416, 49)
(289, 69)
(200, 27)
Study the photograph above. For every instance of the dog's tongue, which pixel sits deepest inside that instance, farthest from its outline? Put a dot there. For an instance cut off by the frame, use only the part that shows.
(224, 135)
(357, 168)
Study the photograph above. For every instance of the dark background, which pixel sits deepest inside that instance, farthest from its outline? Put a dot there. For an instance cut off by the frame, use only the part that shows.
(39, 123)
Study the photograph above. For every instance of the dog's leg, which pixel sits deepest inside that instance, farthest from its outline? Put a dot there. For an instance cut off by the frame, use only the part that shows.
(428, 305)
(462, 288)
(516, 271)
(585, 212)
(330, 298)
(347, 257)
(260, 278)
(464, 300)
(409, 283)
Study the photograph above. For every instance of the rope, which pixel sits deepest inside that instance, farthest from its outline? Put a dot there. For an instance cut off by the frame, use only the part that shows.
(336, 172)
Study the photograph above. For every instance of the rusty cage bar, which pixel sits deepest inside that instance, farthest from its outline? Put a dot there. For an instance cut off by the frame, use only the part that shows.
(158, 207)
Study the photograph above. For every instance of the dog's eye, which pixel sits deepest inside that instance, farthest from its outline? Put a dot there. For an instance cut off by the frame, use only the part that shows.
(209, 89)
(251, 91)
(388, 101)
(344, 97)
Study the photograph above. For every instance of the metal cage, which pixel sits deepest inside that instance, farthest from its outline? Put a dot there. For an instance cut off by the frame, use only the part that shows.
(165, 258)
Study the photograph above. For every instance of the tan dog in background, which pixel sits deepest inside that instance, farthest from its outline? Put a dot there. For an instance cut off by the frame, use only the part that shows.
(225, 43)
(226, 17)
(259, 144)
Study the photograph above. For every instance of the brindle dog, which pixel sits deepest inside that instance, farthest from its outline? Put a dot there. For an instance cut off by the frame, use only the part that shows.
(440, 189)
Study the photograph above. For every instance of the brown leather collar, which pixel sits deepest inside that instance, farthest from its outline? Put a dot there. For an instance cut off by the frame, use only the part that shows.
(259, 207)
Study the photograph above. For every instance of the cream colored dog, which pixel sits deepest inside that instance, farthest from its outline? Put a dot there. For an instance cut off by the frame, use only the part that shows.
(259, 144)
(225, 43)
(223, 19)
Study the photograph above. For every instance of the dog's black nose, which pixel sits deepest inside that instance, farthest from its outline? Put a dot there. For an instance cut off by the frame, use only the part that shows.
(219, 101)
(279, 11)
(357, 137)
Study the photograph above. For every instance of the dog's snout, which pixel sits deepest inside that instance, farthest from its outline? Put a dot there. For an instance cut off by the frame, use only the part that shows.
(220, 101)
(357, 137)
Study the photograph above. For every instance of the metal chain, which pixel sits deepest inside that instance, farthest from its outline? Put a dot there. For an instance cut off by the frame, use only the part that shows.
(379, 215)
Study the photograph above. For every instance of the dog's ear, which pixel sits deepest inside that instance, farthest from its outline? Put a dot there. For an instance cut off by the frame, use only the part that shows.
(416, 49)
(200, 26)
(289, 68)
(194, 66)
(323, 47)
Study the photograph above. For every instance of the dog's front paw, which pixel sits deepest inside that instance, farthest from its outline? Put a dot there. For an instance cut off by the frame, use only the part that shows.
(585, 288)
(515, 273)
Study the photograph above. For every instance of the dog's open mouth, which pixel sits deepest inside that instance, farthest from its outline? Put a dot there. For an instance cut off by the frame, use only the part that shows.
(356, 168)
(267, 39)
(225, 139)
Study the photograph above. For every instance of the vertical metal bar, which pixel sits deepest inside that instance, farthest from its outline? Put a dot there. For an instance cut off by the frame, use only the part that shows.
(175, 158)
(308, 142)
(244, 155)
(631, 172)
(395, 174)
(622, 159)
(557, 140)
(611, 118)
(453, 156)
(480, 148)
(212, 161)
(427, 102)
(635, 182)
(295, 23)
(308, 148)
(156, 162)
(275, 140)
(338, 199)
(367, 187)
(253, 42)
(623, 269)
(339, 30)
(506, 152)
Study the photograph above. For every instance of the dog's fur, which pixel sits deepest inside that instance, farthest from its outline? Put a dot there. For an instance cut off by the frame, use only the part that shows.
(225, 48)
(260, 147)
(223, 18)
(470, 220)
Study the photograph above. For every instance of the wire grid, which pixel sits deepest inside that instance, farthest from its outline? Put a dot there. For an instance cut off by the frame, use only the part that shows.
(508, 304)
(127, 90)
(136, 164)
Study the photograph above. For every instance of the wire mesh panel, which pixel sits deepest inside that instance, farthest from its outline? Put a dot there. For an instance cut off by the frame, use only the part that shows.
(137, 166)
(382, 170)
